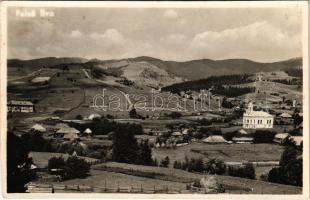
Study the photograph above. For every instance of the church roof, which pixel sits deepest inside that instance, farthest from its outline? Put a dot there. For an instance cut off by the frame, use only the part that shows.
(257, 114)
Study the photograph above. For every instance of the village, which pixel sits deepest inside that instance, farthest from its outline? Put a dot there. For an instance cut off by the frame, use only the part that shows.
(235, 133)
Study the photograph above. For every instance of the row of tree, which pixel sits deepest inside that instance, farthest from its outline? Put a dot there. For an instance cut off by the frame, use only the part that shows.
(207, 83)
(215, 166)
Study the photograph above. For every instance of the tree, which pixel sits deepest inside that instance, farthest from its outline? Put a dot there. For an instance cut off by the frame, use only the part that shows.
(291, 168)
(215, 166)
(175, 115)
(125, 147)
(18, 164)
(79, 117)
(145, 153)
(263, 136)
(133, 113)
(165, 162)
(75, 168)
(56, 163)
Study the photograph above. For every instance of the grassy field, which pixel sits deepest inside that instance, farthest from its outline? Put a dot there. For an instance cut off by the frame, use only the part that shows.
(233, 184)
(41, 158)
(99, 178)
(225, 152)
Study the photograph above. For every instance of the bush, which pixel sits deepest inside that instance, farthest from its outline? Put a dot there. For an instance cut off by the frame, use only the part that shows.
(263, 136)
(76, 168)
(56, 163)
(215, 166)
(165, 162)
(246, 171)
(175, 115)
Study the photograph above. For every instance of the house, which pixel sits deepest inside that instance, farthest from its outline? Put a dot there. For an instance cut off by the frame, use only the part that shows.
(41, 80)
(94, 116)
(68, 133)
(87, 132)
(242, 132)
(20, 106)
(280, 137)
(38, 128)
(256, 119)
(176, 134)
(214, 139)
(243, 140)
(285, 118)
(297, 140)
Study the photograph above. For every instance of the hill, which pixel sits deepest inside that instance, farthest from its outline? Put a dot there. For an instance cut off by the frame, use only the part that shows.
(192, 70)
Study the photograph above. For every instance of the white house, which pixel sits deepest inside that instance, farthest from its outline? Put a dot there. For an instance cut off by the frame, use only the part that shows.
(256, 119)
(20, 106)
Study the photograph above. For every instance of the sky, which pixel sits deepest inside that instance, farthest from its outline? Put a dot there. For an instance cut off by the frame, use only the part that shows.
(180, 34)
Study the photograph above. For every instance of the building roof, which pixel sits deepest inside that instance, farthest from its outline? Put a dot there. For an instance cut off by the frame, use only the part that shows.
(285, 115)
(242, 138)
(176, 134)
(71, 136)
(282, 135)
(38, 127)
(40, 79)
(257, 114)
(20, 103)
(242, 131)
(297, 139)
(93, 116)
(66, 130)
(88, 131)
(214, 139)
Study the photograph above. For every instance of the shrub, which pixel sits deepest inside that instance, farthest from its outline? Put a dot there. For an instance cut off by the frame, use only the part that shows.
(246, 171)
(263, 136)
(215, 166)
(175, 115)
(165, 162)
(76, 168)
(56, 163)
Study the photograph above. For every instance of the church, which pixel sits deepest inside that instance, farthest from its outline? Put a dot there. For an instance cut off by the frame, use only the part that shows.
(256, 119)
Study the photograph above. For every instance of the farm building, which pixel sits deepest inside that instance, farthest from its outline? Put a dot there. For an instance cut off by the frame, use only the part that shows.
(87, 132)
(242, 132)
(41, 80)
(38, 128)
(280, 137)
(297, 140)
(256, 119)
(94, 116)
(176, 134)
(68, 133)
(242, 140)
(214, 139)
(285, 118)
(20, 106)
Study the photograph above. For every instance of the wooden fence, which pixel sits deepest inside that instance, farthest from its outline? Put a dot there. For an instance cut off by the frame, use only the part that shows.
(62, 188)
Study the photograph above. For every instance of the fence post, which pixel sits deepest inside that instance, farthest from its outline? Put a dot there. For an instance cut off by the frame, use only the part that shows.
(118, 187)
(154, 189)
(78, 187)
(141, 188)
(105, 185)
(167, 189)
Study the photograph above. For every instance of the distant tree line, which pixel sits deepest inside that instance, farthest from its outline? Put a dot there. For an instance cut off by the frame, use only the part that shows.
(293, 81)
(296, 72)
(215, 166)
(212, 81)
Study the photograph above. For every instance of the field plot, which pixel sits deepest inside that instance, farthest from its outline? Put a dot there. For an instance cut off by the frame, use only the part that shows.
(232, 184)
(100, 179)
(225, 152)
(41, 158)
